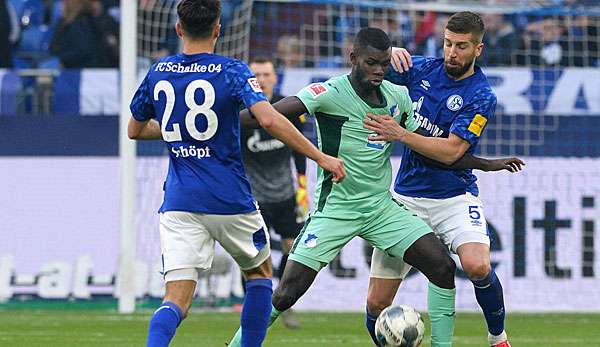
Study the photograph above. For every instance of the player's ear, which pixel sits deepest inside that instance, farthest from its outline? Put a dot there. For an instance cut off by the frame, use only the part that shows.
(217, 30)
(352, 57)
(478, 49)
(179, 29)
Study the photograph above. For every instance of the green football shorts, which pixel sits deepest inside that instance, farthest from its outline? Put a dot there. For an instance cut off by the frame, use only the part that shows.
(388, 224)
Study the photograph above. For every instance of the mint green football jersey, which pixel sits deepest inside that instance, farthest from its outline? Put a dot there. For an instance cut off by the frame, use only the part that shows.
(339, 114)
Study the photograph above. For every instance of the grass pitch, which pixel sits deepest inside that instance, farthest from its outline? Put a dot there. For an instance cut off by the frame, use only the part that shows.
(107, 328)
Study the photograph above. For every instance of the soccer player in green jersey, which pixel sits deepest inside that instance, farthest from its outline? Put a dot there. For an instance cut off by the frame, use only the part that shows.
(362, 204)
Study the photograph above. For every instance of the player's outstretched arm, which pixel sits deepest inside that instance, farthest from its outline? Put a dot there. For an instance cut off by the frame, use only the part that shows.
(444, 150)
(291, 107)
(146, 130)
(280, 127)
(469, 161)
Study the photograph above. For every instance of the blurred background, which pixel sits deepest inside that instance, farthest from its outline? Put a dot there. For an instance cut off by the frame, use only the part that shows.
(59, 143)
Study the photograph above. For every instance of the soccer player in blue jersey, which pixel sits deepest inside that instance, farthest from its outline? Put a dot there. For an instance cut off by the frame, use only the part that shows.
(453, 101)
(192, 102)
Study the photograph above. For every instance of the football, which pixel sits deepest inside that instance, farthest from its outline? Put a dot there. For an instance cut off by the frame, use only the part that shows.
(399, 326)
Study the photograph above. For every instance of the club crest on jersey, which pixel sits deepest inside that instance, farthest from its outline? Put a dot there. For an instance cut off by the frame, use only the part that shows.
(317, 89)
(253, 82)
(454, 102)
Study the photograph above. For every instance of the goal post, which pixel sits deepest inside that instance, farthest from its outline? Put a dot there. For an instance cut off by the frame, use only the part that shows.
(127, 158)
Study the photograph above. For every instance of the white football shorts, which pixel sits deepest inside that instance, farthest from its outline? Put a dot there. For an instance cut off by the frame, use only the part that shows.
(187, 241)
(455, 221)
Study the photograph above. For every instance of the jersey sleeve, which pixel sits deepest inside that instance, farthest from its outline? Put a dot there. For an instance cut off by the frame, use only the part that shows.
(470, 123)
(410, 123)
(406, 78)
(142, 108)
(314, 97)
(244, 85)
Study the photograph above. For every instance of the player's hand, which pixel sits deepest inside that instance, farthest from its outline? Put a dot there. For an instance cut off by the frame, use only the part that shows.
(301, 198)
(333, 165)
(385, 127)
(509, 164)
(401, 59)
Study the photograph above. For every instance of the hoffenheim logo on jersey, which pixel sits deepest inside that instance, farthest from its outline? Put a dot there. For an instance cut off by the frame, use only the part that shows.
(454, 102)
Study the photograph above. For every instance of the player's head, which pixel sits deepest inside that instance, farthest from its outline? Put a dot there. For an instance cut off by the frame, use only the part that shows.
(199, 19)
(462, 43)
(371, 55)
(264, 69)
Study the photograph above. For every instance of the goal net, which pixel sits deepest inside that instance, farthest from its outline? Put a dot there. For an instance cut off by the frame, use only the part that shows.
(542, 60)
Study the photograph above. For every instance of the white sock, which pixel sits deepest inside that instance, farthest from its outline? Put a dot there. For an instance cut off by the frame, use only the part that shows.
(493, 339)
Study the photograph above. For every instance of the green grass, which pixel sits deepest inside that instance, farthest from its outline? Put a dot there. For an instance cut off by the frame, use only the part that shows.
(107, 328)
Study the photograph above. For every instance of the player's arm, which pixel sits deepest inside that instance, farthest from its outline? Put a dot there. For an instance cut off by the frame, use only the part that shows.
(143, 125)
(280, 127)
(143, 130)
(291, 107)
(469, 161)
(444, 150)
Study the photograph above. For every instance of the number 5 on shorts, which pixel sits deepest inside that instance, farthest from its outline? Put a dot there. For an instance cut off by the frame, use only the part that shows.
(473, 213)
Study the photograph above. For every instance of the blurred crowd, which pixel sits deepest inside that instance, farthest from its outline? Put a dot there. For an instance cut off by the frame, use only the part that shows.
(85, 34)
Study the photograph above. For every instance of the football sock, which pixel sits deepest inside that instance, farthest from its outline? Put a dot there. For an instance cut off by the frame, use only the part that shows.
(282, 263)
(370, 323)
(488, 292)
(255, 313)
(440, 303)
(163, 324)
(237, 338)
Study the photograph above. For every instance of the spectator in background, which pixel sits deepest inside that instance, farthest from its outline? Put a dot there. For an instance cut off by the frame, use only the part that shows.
(289, 52)
(433, 46)
(86, 37)
(543, 44)
(500, 41)
(9, 33)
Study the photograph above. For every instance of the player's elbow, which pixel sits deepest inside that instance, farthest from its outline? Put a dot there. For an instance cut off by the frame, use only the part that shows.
(133, 132)
(266, 122)
(452, 157)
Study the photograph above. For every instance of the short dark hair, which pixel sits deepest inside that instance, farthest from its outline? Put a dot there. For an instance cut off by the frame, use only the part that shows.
(373, 37)
(261, 60)
(198, 17)
(467, 22)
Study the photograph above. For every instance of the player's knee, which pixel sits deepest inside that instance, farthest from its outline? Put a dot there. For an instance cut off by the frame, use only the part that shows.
(444, 272)
(284, 298)
(477, 270)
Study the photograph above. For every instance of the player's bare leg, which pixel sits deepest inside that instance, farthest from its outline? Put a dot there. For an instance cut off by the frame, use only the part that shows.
(180, 293)
(475, 260)
(380, 295)
(289, 317)
(174, 308)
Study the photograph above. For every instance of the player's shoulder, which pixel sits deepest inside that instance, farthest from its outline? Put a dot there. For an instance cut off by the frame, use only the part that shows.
(394, 88)
(481, 88)
(426, 64)
(331, 87)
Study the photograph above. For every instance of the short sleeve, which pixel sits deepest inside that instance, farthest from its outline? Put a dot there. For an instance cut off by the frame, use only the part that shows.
(244, 85)
(312, 96)
(474, 117)
(406, 78)
(142, 108)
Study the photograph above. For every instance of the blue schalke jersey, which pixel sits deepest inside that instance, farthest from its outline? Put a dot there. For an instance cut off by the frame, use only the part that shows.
(442, 106)
(197, 99)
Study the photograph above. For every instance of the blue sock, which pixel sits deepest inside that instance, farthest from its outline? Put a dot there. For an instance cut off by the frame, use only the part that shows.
(256, 311)
(163, 324)
(488, 292)
(370, 322)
